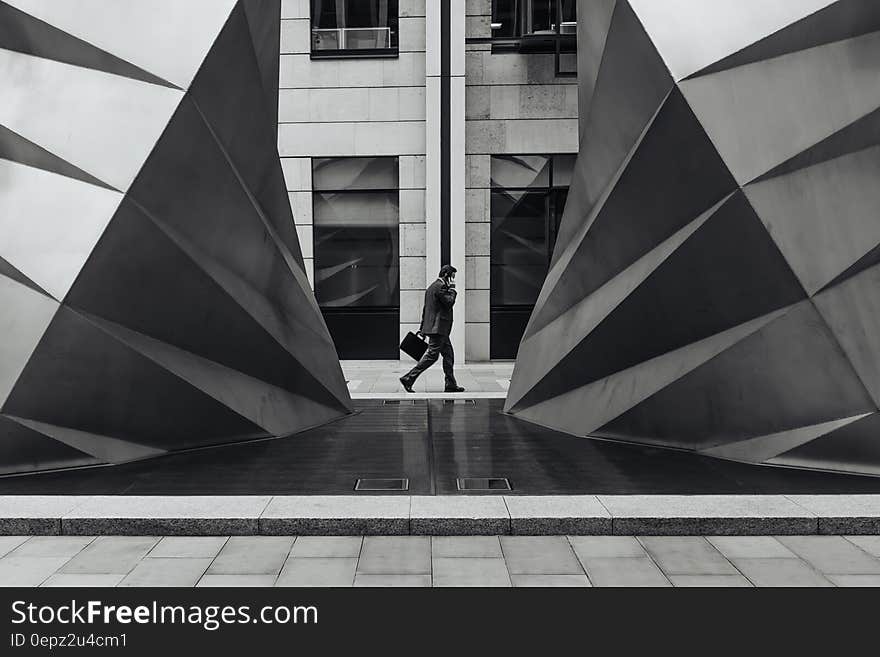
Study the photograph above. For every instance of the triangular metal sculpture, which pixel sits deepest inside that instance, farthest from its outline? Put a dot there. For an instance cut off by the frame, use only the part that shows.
(715, 284)
(152, 289)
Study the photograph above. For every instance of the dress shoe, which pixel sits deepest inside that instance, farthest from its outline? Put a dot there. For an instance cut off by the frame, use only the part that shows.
(454, 389)
(407, 384)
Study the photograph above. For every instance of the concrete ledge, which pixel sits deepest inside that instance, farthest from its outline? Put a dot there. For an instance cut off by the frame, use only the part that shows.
(459, 515)
(707, 515)
(557, 515)
(717, 515)
(843, 514)
(328, 515)
(175, 515)
(38, 515)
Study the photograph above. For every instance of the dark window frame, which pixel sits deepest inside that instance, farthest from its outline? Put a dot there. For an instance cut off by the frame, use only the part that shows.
(355, 191)
(560, 44)
(517, 313)
(358, 53)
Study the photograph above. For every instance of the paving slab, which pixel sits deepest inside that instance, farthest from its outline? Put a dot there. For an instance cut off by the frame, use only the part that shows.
(843, 514)
(192, 547)
(52, 546)
(110, 555)
(470, 572)
(35, 514)
(540, 555)
(550, 581)
(687, 555)
(459, 515)
(850, 581)
(709, 581)
(165, 571)
(82, 581)
(327, 546)
(870, 544)
(466, 546)
(388, 581)
(832, 555)
(317, 571)
(625, 572)
(336, 515)
(751, 547)
(252, 555)
(553, 515)
(228, 515)
(586, 547)
(28, 571)
(780, 573)
(702, 515)
(395, 555)
(237, 581)
(9, 543)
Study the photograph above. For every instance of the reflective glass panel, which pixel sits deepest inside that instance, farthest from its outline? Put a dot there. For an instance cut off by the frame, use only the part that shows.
(520, 171)
(354, 173)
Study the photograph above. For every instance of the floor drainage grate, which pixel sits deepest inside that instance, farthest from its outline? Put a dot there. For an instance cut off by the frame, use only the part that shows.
(400, 402)
(381, 484)
(469, 402)
(483, 483)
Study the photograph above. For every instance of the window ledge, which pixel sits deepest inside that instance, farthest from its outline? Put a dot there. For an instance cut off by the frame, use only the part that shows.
(378, 53)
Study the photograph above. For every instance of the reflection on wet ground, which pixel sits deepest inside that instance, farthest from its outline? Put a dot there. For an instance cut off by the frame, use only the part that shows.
(433, 443)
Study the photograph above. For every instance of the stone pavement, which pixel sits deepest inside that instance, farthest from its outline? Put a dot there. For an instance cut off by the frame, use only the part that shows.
(482, 561)
(379, 379)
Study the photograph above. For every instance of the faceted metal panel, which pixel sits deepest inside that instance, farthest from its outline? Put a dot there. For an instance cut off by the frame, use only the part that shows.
(717, 287)
(152, 286)
(167, 38)
(110, 122)
(50, 223)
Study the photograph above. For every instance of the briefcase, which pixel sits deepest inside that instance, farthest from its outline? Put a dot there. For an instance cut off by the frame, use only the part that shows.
(413, 346)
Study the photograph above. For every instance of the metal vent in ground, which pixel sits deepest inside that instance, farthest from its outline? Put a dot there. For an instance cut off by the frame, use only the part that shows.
(483, 483)
(381, 484)
(468, 402)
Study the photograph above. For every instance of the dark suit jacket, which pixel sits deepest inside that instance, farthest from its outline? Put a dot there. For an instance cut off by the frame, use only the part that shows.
(437, 314)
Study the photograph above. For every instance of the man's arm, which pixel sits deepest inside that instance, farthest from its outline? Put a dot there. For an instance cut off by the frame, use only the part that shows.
(446, 296)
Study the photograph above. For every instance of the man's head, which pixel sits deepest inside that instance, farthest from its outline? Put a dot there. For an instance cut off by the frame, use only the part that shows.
(447, 272)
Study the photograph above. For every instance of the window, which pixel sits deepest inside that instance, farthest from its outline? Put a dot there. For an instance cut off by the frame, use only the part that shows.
(527, 18)
(537, 26)
(357, 274)
(527, 201)
(354, 28)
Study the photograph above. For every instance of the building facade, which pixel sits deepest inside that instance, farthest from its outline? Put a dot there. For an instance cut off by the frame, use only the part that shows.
(418, 132)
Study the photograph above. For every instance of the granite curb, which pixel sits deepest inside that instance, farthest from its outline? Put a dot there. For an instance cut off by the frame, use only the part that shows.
(391, 515)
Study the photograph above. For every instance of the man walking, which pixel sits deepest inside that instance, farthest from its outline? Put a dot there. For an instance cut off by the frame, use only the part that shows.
(436, 326)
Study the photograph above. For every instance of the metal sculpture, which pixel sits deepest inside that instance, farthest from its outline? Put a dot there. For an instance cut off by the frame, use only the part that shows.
(715, 284)
(152, 290)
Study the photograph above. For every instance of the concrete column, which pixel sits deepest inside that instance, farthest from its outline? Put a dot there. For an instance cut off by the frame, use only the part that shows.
(433, 186)
(457, 182)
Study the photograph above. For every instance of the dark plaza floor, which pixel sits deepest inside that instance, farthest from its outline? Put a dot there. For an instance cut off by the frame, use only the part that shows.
(432, 443)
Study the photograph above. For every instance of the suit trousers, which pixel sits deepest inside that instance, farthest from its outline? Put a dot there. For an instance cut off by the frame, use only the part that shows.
(438, 345)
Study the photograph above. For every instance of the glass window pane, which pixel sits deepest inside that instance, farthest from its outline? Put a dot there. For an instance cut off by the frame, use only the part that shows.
(505, 13)
(540, 16)
(379, 209)
(354, 24)
(356, 266)
(519, 246)
(356, 233)
(353, 173)
(520, 171)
